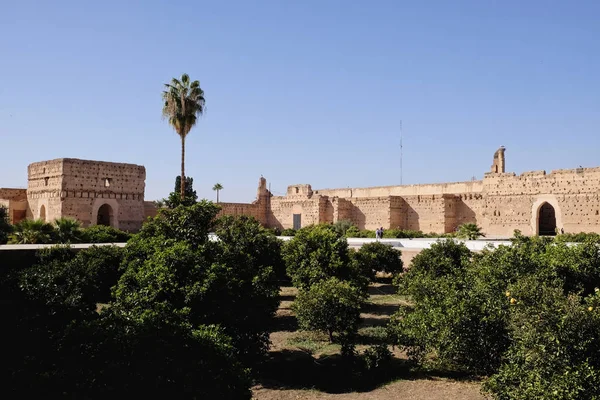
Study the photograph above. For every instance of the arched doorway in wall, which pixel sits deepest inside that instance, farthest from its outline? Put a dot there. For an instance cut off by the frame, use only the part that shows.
(546, 220)
(43, 213)
(105, 215)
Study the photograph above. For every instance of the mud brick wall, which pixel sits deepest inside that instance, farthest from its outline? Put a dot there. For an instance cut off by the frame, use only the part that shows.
(81, 188)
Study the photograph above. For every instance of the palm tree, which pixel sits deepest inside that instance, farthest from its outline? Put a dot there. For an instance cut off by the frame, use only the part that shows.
(469, 231)
(30, 231)
(217, 188)
(67, 230)
(184, 103)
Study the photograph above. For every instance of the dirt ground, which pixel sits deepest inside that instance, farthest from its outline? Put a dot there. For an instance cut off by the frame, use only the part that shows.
(304, 365)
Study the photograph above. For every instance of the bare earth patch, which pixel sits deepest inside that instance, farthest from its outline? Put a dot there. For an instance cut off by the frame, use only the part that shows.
(304, 365)
(421, 389)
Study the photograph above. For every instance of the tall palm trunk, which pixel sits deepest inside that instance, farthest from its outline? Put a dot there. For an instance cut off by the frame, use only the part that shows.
(182, 167)
(217, 196)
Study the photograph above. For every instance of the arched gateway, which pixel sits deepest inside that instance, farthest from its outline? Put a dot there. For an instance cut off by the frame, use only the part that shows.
(546, 220)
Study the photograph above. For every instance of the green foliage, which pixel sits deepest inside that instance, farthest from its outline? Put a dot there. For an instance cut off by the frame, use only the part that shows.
(249, 239)
(5, 226)
(288, 232)
(330, 306)
(190, 197)
(525, 314)
(175, 271)
(469, 231)
(402, 234)
(67, 230)
(555, 352)
(354, 232)
(342, 226)
(190, 224)
(455, 323)
(380, 257)
(104, 234)
(30, 231)
(578, 237)
(319, 252)
(59, 343)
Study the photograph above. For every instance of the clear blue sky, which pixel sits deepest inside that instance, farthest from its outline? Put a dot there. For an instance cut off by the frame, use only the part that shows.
(302, 91)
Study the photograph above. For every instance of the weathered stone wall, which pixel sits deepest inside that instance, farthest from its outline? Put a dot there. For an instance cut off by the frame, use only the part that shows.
(237, 209)
(513, 202)
(15, 201)
(370, 213)
(405, 190)
(83, 189)
(150, 209)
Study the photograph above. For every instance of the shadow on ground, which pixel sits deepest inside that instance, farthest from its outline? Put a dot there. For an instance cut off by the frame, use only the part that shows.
(285, 323)
(382, 289)
(295, 369)
(380, 309)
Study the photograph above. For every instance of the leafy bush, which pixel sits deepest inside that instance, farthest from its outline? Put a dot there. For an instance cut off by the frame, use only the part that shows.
(555, 351)
(249, 238)
(59, 343)
(578, 237)
(104, 234)
(288, 232)
(402, 234)
(190, 197)
(5, 226)
(173, 268)
(520, 312)
(379, 257)
(354, 232)
(455, 323)
(30, 231)
(342, 226)
(330, 306)
(318, 253)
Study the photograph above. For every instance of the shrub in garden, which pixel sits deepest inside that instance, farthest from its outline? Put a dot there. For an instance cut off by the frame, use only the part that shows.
(104, 234)
(402, 234)
(172, 265)
(555, 350)
(453, 317)
(342, 226)
(288, 232)
(331, 306)
(5, 226)
(319, 252)
(379, 257)
(354, 232)
(30, 231)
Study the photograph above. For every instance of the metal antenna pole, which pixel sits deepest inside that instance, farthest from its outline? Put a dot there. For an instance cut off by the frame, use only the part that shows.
(400, 152)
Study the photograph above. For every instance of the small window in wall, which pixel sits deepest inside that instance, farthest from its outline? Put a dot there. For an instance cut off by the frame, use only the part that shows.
(297, 190)
(46, 179)
(107, 182)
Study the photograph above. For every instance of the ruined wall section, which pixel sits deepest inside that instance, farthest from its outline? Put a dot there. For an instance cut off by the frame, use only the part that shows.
(405, 190)
(89, 185)
(79, 188)
(238, 209)
(513, 201)
(425, 213)
(370, 213)
(44, 185)
(15, 201)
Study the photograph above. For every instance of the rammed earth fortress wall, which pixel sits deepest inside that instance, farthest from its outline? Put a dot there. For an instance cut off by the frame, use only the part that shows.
(93, 192)
(533, 202)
